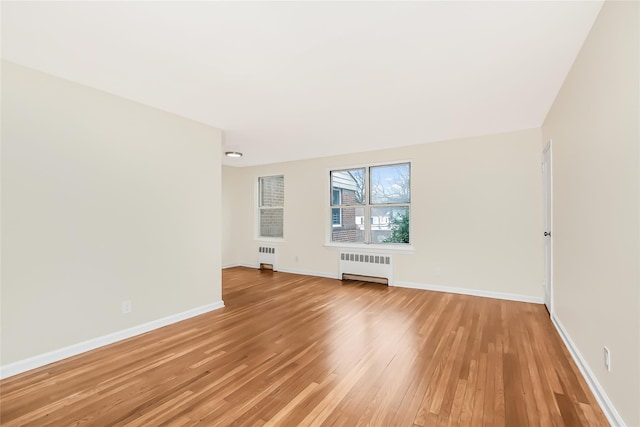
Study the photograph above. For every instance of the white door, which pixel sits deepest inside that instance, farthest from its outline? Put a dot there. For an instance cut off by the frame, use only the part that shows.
(547, 220)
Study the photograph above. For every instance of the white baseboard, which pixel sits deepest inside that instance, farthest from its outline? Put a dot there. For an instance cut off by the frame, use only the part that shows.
(472, 292)
(229, 266)
(56, 355)
(615, 419)
(240, 265)
(287, 270)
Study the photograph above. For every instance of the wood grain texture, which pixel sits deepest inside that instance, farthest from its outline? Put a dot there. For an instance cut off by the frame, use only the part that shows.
(297, 350)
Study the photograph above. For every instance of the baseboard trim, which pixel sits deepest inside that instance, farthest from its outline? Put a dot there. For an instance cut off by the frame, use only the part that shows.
(287, 270)
(240, 265)
(472, 292)
(34, 362)
(614, 418)
(229, 266)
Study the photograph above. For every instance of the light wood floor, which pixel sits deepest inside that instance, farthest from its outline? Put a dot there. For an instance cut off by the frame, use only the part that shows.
(296, 350)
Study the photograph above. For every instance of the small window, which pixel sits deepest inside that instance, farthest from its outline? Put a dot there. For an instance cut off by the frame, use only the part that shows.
(336, 213)
(271, 206)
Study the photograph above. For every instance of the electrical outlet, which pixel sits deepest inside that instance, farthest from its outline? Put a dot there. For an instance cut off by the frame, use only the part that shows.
(127, 307)
(607, 359)
(438, 271)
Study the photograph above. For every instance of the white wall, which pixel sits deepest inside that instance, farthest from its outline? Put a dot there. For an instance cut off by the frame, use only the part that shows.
(103, 200)
(476, 214)
(594, 125)
(229, 234)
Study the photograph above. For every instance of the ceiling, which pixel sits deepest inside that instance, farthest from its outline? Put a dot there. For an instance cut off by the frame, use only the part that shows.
(293, 80)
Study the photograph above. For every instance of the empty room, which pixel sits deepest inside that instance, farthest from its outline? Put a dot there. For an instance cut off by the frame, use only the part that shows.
(320, 213)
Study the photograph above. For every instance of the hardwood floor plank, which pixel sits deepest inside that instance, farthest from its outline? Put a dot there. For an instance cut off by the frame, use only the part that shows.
(297, 350)
(284, 412)
(456, 406)
(469, 395)
(514, 392)
(477, 417)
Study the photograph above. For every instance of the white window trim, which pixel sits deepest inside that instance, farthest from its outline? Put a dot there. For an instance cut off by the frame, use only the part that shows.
(275, 240)
(370, 247)
(256, 210)
(401, 248)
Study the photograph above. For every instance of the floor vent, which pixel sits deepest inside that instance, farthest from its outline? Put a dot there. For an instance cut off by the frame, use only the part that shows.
(366, 267)
(267, 258)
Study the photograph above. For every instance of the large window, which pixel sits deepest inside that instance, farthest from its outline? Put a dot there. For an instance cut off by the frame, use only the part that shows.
(371, 204)
(271, 206)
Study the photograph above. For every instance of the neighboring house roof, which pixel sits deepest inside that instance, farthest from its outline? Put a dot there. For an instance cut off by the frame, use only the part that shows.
(344, 180)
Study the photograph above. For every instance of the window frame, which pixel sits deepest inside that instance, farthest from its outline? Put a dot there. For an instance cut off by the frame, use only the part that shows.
(259, 207)
(367, 205)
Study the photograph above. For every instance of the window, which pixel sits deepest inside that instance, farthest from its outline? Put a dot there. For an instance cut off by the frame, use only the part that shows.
(371, 204)
(336, 213)
(271, 206)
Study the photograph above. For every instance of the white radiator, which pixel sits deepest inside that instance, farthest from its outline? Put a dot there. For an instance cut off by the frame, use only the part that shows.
(363, 264)
(267, 255)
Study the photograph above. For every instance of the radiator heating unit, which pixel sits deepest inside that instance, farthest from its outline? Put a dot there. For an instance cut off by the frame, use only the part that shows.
(267, 258)
(366, 267)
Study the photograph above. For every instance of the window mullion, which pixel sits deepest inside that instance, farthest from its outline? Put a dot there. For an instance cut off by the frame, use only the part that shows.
(367, 207)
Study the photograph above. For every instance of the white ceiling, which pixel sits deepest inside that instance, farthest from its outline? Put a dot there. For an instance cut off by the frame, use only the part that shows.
(292, 80)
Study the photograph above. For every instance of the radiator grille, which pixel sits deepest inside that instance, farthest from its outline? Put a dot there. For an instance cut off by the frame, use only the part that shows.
(373, 259)
(267, 255)
(364, 264)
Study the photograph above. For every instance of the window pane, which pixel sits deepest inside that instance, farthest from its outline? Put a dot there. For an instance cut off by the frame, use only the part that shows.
(271, 221)
(271, 191)
(336, 198)
(390, 184)
(390, 224)
(336, 216)
(350, 184)
(351, 229)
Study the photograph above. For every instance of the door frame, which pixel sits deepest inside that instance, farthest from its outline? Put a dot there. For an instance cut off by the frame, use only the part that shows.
(547, 223)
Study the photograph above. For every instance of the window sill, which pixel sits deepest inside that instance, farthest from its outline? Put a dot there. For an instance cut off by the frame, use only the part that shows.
(372, 248)
(270, 239)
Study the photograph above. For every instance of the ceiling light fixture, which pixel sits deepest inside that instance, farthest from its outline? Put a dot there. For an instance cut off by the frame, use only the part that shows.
(234, 154)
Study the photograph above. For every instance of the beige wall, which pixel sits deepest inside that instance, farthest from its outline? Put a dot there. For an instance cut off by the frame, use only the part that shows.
(596, 171)
(229, 233)
(103, 200)
(476, 213)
